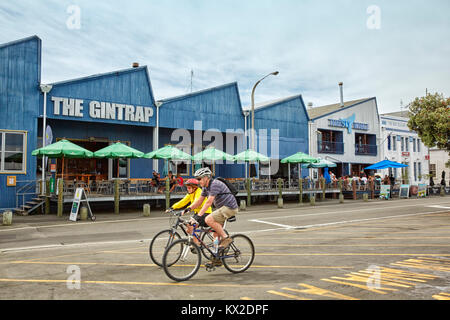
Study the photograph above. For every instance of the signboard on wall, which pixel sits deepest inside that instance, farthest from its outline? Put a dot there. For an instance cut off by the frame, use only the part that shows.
(11, 181)
(78, 108)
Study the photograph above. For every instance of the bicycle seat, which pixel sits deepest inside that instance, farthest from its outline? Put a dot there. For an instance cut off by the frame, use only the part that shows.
(232, 219)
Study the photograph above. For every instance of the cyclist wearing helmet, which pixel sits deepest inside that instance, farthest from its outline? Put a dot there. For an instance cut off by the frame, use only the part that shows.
(225, 202)
(194, 192)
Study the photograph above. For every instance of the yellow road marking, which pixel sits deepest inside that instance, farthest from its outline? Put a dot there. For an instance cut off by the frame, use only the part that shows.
(320, 254)
(286, 295)
(442, 296)
(320, 292)
(184, 284)
(154, 265)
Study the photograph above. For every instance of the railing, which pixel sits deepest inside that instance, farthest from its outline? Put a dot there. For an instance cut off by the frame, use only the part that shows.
(28, 189)
(330, 147)
(366, 149)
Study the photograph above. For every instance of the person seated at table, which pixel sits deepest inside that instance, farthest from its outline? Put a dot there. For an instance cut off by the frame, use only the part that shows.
(179, 181)
(155, 179)
(172, 182)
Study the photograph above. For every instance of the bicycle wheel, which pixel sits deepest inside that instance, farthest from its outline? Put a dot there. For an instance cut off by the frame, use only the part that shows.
(239, 256)
(159, 244)
(181, 260)
(208, 240)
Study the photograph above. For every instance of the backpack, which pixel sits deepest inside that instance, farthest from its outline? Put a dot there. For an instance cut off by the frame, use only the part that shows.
(230, 187)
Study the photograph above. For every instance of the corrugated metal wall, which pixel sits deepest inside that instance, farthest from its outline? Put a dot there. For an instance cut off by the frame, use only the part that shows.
(291, 119)
(20, 75)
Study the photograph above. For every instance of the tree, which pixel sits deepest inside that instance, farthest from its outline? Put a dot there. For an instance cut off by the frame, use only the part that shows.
(429, 116)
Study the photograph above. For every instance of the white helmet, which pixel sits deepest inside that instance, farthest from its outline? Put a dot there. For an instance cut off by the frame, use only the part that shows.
(203, 172)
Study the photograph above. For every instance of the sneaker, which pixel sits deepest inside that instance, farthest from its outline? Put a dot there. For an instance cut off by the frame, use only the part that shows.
(193, 250)
(225, 242)
(216, 262)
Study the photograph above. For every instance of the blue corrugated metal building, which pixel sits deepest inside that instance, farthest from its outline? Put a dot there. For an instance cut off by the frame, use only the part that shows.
(98, 110)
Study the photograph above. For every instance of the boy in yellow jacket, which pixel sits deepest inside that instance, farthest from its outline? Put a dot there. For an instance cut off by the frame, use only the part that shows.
(194, 192)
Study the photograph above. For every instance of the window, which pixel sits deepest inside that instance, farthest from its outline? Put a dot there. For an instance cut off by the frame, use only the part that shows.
(433, 170)
(419, 169)
(418, 145)
(415, 171)
(402, 142)
(414, 144)
(406, 144)
(12, 151)
(394, 143)
(389, 142)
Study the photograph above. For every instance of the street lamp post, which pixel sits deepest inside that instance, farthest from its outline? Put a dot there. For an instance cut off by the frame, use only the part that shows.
(45, 88)
(253, 107)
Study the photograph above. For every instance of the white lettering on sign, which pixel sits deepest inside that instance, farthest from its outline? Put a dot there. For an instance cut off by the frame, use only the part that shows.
(101, 110)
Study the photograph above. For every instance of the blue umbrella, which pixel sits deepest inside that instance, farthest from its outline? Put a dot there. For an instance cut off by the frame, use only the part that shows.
(385, 164)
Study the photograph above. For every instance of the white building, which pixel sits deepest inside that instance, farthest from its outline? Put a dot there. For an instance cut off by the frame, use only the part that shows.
(438, 159)
(402, 145)
(346, 133)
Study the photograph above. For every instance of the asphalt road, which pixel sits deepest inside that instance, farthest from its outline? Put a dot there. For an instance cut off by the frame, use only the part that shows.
(376, 250)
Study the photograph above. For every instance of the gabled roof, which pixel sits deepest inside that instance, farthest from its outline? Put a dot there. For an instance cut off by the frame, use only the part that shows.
(319, 112)
(108, 74)
(7, 44)
(401, 114)
(264, 104)
(200, 92)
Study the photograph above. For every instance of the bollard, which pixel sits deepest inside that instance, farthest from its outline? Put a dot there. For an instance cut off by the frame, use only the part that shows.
(146, 210)
(243, 205)
(83, 213)
(116, 197)
(323, 188)
(365, 197)
(280, 203)
(300, 185)
(47, 197)
(280, 187)
(167, 194)
(442, 191)
(60, 197)
(341, 198)
(249, 192)
(354, 189)
(7, 218)
(312, 199)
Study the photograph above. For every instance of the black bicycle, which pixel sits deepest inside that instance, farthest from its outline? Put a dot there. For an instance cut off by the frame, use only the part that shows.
(165, 238)
(182, 258)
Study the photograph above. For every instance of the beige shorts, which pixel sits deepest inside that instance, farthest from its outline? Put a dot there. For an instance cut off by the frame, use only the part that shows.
(223, 213)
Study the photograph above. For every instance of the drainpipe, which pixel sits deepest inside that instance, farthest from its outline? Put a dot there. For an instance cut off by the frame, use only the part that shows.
(156, 135)
(45, 88)
(246, 113)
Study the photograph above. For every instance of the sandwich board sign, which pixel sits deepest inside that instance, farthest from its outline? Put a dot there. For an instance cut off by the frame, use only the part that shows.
(404, 191)
(79, 198)
(422, 192)
(385, 191)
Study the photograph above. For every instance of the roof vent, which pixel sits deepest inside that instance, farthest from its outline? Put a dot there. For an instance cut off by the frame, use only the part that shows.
(135, 64)
(310, 105)
(341, 89)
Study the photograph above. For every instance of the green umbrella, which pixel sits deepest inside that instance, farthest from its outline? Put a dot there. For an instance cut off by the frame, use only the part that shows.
(300, 157)
(168, 152)
(116, 151)
(63, 149)
(212, 154)
(321, 164)
(251, 156)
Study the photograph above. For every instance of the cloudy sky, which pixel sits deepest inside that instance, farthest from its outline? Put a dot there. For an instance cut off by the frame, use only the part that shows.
(393, 50)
